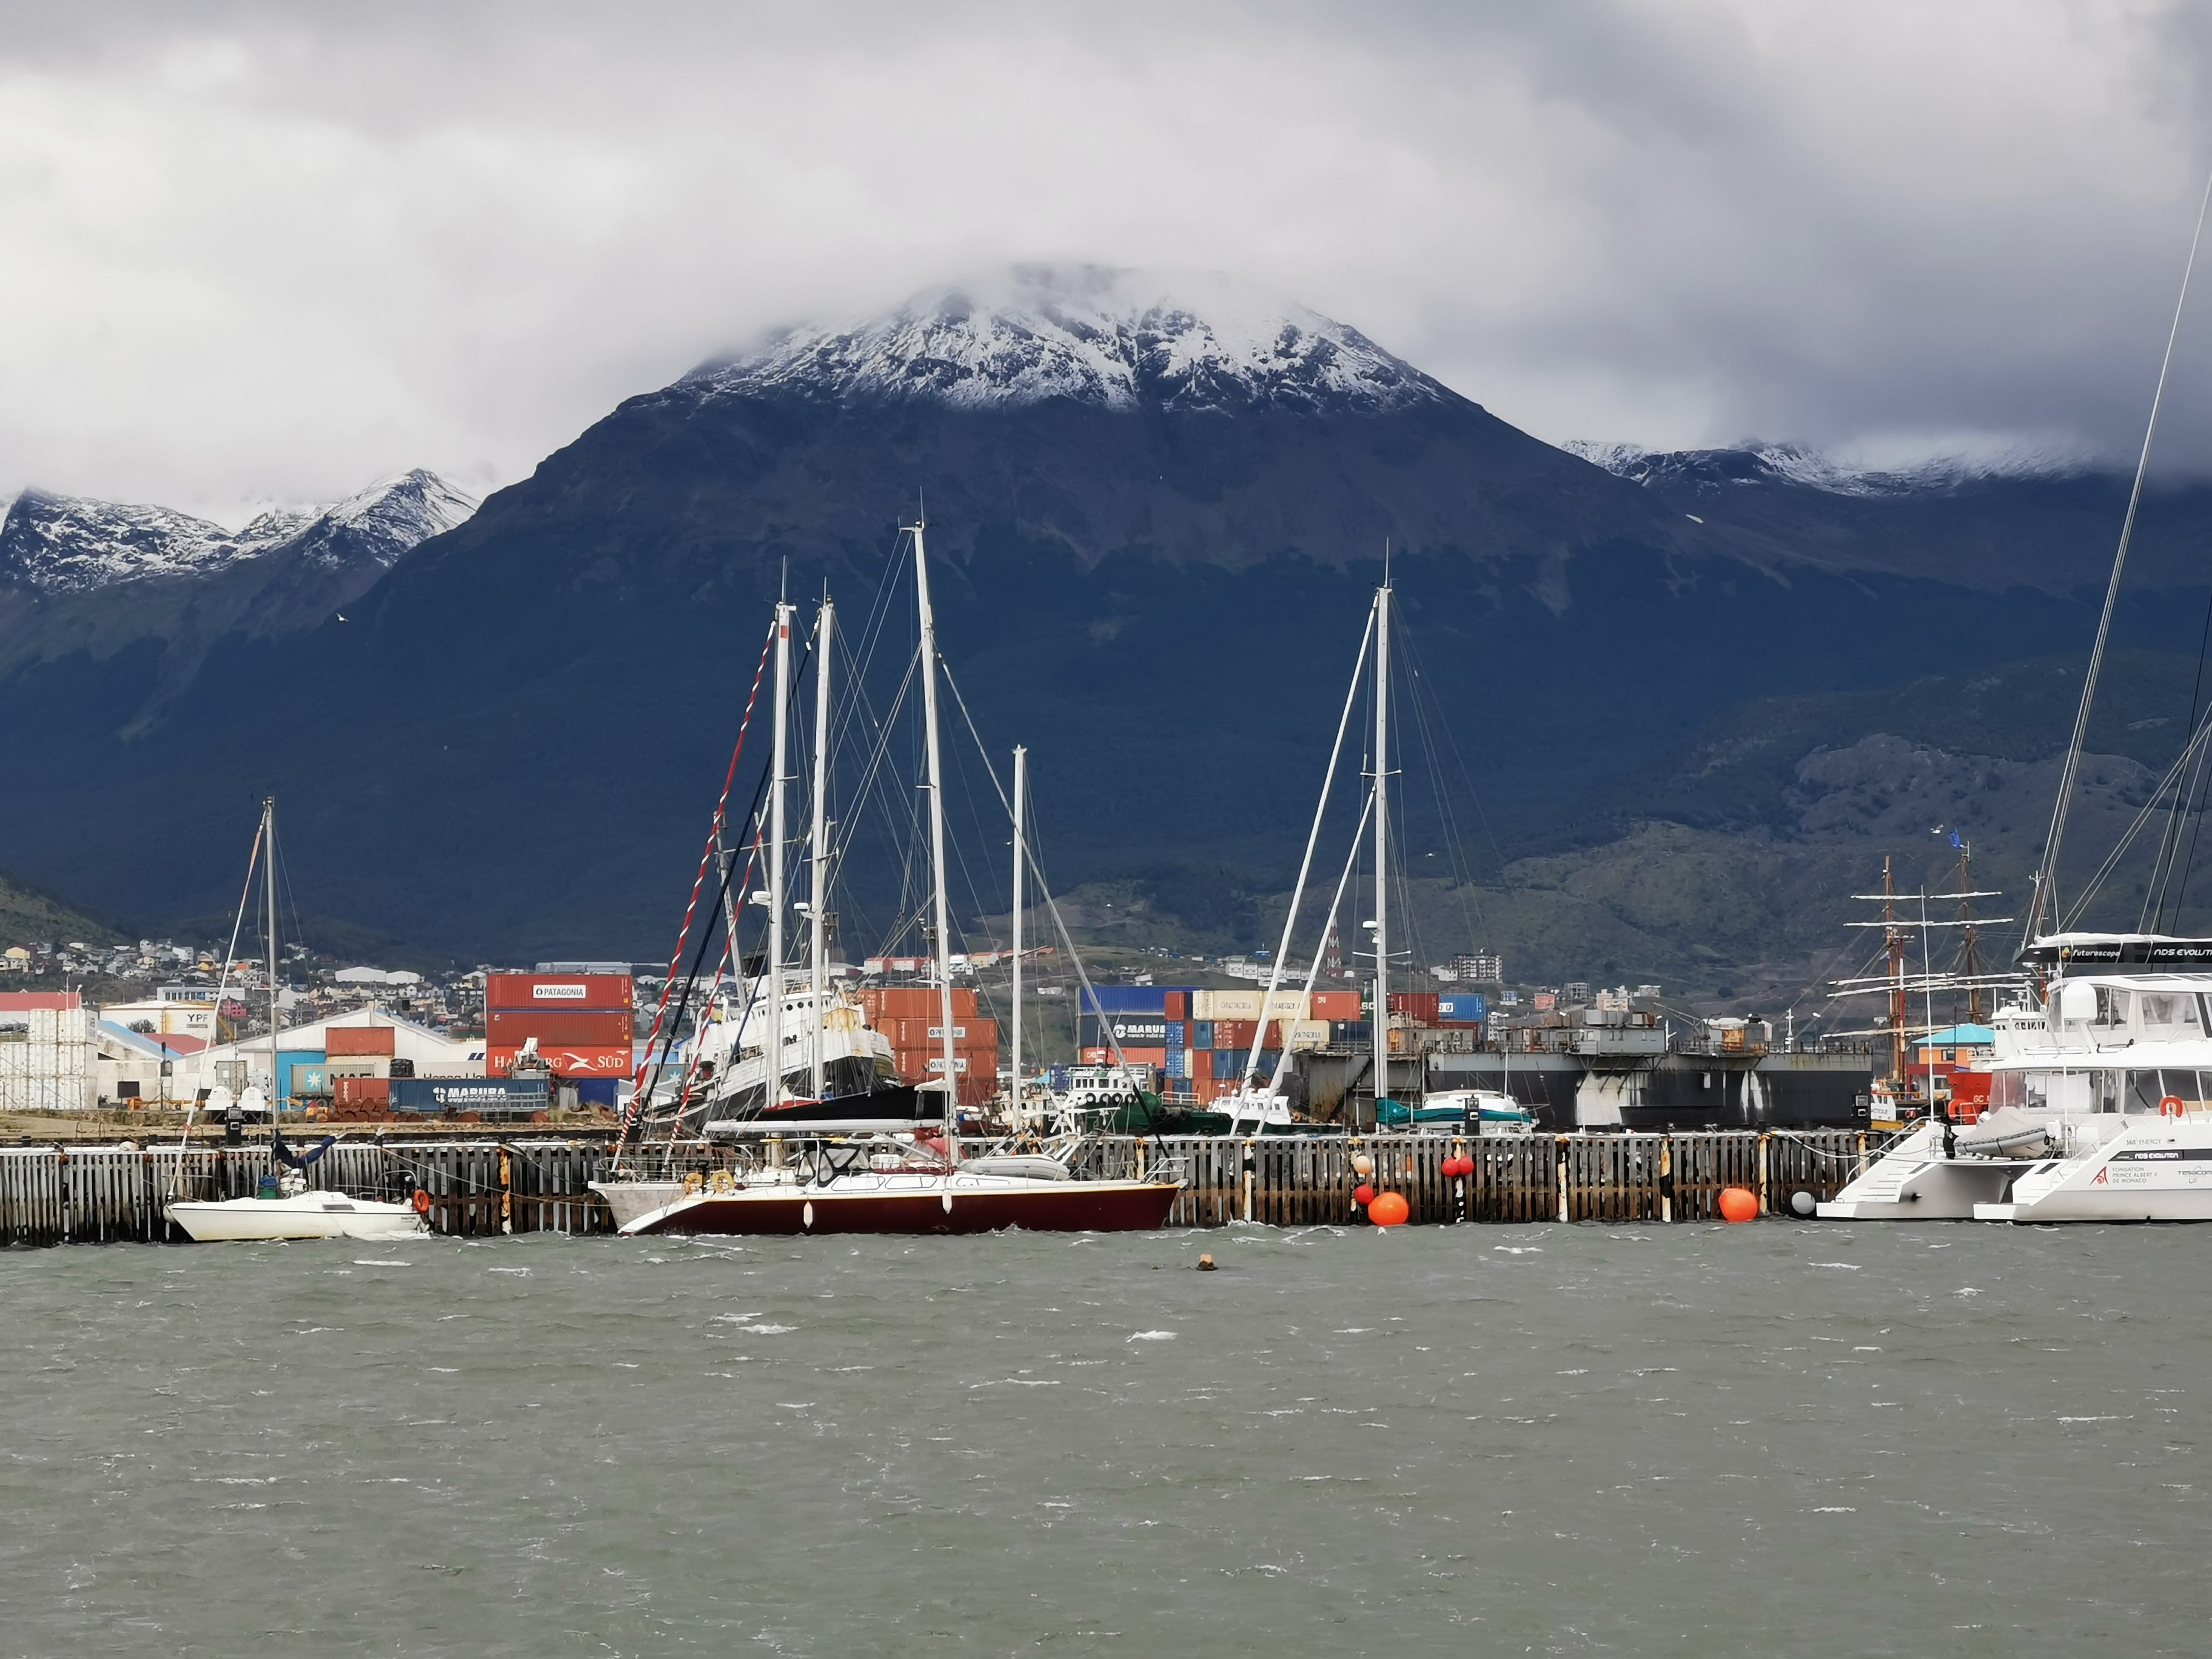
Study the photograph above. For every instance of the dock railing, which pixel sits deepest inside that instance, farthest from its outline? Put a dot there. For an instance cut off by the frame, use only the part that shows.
(114, 1194)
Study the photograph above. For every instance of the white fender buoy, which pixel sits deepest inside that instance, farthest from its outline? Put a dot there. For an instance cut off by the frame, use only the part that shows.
(806, 1215)
(947, 1201)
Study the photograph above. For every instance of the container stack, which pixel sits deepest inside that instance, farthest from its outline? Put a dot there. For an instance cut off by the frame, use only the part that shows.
(1198, 1041)
(357, 1067)
(912, 1017)
(582, 1022)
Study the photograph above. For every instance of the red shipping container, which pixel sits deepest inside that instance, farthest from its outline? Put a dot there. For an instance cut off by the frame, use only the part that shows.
(1421, 1005)
(1092, 1056)
(572, 992)
(967, 1033)
(576, 1061)
(1335, 1005)
(360, 1039)
(1178, 1005)
(1235, 1033)
(1202, 1065)
(511, 1027)
(361, 1091)
(882, 1002)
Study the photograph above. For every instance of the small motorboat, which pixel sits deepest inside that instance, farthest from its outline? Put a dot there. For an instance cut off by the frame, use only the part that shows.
(291, 1210)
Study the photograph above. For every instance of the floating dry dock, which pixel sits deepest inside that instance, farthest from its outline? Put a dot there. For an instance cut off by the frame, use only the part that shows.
(115, 1195)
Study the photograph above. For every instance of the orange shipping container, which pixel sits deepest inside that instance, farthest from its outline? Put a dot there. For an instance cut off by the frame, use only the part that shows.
(1335, 1005)
(556, 992)
(601, 1059)
(361, 1091)
(882, 1002)
(509, 1028)
(359, 1040)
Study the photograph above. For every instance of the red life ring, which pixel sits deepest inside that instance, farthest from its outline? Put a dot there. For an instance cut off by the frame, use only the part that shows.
(2172, 1106)
(422, 1202)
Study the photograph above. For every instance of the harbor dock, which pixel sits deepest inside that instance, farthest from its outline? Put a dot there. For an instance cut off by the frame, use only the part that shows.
(481, 1187)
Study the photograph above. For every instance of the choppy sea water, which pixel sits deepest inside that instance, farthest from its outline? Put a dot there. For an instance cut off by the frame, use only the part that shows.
(1781, 1438)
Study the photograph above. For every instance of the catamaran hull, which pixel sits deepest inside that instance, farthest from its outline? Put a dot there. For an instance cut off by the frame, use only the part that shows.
(311, 1215)
(1080, 1206)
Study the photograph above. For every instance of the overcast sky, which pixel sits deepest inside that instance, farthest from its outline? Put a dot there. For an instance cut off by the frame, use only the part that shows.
(267, 252)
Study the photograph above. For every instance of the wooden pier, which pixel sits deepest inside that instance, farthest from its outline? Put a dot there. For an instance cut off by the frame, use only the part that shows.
(116, 1194)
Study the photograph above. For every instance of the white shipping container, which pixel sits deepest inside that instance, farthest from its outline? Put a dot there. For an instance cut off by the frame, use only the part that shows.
(46, 1060)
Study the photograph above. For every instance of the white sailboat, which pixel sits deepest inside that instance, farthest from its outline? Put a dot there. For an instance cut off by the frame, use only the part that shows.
(2099, 1096)
(286, 1207)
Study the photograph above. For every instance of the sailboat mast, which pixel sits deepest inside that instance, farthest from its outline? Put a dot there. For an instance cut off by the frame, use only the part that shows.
(1970, 961)
(1021, 802)
(1381, 846)
(772, 1077)
(819, 839)
(269, 888)
(935, 785)
(1899, 1011)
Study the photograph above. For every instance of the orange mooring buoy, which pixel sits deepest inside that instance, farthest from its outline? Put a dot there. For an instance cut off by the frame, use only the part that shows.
(1389, 1209)
(1739, 1204)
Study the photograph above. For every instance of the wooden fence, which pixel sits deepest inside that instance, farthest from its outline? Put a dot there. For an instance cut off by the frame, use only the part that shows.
(101, 1194)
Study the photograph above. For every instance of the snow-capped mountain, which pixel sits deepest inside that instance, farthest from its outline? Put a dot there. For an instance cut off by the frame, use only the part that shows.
(1706, 470)
(1086, 334)
(67, 545)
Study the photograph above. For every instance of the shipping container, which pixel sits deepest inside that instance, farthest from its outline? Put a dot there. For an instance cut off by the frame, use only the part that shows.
(1178, 1005)
(1335, 1005)
(567, 1060)
(1235, 1033)
(1148, 1029)
(1092, 1057)
(485, 1096)
(1463, 1008)
(925, 1033)
(1178, 1033)
(1225, 1004)
(1421, 1005)
(359, 1065)
(1178, 1063)
(1305, 1034)
(360, 1039)
(1126, 999)
(509, 1028)
(361, 1091)
(1201, 1034)
(1350, 1034)
(574, 992)
(310, 1080)
(1201, 1062)
(604, 1092)
(882, 1002)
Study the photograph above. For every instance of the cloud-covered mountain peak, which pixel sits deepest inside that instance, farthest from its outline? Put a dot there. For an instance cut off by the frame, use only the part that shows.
(1707, 470)
(1086, 334)
(57, 544)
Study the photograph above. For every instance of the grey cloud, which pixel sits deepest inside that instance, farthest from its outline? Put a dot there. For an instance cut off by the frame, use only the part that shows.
(270, 250)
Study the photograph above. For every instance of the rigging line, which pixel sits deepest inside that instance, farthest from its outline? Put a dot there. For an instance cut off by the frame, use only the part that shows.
(713, 842)
(1313, 839)
(1313, 970)
(230, 957)
(2143, 815)
(1462, 870)
(649, 1069)
(1088, 997)
(2170, 843)
(2046, 878)
(1473, 794)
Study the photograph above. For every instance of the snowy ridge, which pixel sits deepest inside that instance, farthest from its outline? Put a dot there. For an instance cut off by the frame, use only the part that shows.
(1119, 339)
(73, 544)
(1773, 463)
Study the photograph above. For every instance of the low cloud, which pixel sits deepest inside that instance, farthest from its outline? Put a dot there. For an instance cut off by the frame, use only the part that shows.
(263, 252)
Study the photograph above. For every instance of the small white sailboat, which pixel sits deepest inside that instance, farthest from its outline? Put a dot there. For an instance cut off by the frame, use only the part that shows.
(284, 1206)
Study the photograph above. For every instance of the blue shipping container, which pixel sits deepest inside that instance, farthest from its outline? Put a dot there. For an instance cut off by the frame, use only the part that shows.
(1130, 1031)
(1178, 1063)
(601, 1091)
(1128, 999)
(1463, 1007)
(1178, 1033)
(1201, 1034)
(494, 1096)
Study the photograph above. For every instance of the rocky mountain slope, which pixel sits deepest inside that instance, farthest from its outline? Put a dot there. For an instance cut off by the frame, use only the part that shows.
(1158, 509)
